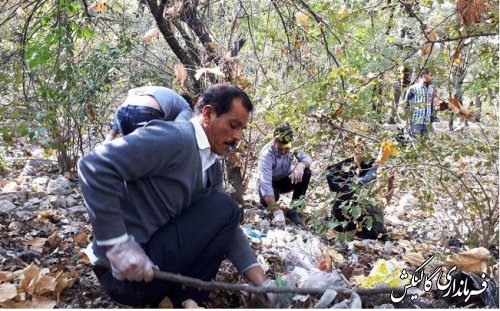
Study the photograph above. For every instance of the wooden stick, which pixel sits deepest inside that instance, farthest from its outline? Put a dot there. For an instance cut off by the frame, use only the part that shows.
(215, 285)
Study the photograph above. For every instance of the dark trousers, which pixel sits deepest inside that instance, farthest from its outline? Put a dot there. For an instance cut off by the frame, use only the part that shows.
(192, 244)
(130, 118)
(285, 185)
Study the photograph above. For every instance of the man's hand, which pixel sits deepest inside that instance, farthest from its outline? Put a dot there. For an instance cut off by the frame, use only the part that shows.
(297, 173)
(129, 262)
(266, 300)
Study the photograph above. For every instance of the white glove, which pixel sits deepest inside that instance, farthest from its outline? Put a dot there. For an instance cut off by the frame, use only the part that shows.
(297, 173)
(129, 262)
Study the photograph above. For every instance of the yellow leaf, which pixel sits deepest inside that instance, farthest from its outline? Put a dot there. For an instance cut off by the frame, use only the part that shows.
(98, 7)
(302, 19)
(180, 73)
(474, 260)
(7, 291)
(37, 244)
(150, 35)
(387, 149)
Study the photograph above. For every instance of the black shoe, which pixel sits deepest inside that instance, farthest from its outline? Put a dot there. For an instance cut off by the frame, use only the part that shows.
(294, 217)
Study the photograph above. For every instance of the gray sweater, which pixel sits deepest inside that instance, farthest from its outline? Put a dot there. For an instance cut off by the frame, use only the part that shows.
(161, 167)
(173, 105)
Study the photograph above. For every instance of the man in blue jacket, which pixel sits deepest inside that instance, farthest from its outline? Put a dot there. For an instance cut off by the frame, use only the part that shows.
(156, 197)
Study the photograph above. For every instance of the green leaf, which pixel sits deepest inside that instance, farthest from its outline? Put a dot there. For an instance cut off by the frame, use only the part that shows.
(356, 212)
(368, 222)
(89, 33)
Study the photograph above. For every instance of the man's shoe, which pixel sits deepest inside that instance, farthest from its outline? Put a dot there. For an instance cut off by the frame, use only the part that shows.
(294, 217)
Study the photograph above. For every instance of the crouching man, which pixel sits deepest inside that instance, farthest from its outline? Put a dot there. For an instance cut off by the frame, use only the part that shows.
(155, 197)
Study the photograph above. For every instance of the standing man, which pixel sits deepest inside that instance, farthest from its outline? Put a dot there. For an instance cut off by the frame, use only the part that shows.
(156, 197)
(147, 103)
(420, 100)
(276, 174)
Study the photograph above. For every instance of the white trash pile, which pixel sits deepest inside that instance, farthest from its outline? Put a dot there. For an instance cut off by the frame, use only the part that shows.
(302, 253)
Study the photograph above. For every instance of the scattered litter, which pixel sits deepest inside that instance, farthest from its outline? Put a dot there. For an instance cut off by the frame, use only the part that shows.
(253, 233)
(384, 272)
(326, 299)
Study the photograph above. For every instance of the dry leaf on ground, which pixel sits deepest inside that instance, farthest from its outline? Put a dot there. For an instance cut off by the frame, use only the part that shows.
(37, 244)
(190, 304)
(474, 260)
(7, 291)
(414, 259)
(166, 303)
(40, 302)
(82, 239)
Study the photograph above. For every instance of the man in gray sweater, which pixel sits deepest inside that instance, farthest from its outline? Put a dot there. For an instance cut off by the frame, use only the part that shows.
(147, 103)
(156, 197)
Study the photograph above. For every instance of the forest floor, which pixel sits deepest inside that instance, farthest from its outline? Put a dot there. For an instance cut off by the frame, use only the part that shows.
(45, 227)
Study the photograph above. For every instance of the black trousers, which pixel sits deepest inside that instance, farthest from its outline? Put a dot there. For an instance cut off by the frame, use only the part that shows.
(192, 244)
(285, 185)
(130, 118)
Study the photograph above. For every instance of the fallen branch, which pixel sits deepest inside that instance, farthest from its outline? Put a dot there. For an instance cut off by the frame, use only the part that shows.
(214, 285)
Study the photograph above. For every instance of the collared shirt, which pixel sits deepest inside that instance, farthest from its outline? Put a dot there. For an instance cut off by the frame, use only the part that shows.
(206, 155)
(274, 166)
(420, 99)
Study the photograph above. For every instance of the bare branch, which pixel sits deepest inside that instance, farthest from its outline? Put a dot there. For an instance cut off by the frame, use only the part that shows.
(486, 34)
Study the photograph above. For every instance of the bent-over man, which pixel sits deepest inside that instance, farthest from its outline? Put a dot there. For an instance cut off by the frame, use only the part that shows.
(147, 103)
(156, 197)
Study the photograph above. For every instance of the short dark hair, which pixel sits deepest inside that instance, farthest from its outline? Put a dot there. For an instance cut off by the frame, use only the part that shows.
(283, 134)
(220, 97)
(424, 71)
